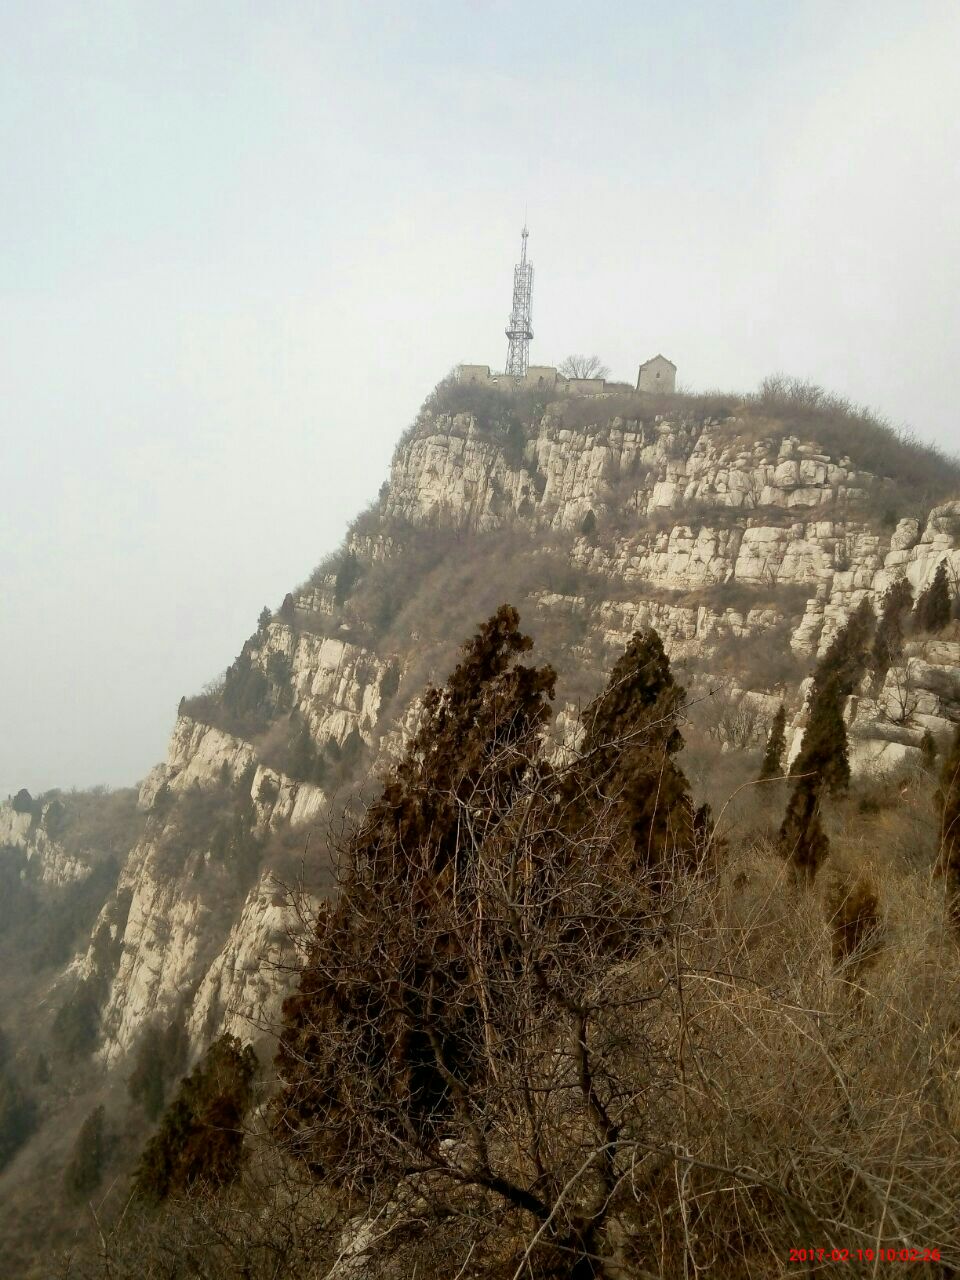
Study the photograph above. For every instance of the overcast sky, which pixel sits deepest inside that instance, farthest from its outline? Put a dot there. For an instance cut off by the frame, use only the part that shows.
(240, 241)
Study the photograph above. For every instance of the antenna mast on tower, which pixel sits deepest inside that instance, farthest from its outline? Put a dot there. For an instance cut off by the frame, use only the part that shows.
(519, 331)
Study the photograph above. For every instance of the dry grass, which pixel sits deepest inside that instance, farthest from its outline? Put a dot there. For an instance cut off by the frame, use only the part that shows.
(797, 1105)
(815, 1103)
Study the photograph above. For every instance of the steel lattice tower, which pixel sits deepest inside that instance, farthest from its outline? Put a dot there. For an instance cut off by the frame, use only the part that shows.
(519, 331)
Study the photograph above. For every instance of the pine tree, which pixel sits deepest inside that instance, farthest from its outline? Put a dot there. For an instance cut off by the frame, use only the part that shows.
(934, 604)
(176, 1045)
(84, 1170)
(824, 753)
(18, 1115)
(948, 814)
(201, 1135)
(77, 1021)
(772, 766)
(147, 1082)
(305, 762)
(823, 764)
(888, 641)
(855, 920)
(22, 802)
(245, 687)
(628, 755)
(802, 840)
(364, 1017)
(481, 891)
(489, 897)
(346, 578)
(846, 657)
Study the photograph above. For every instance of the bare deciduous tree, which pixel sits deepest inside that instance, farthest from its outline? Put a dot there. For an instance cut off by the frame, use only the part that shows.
(542, 1035)
(899, 697)
(580, 366)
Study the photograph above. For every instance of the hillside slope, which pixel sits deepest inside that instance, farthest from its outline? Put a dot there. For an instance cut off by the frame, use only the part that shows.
(745, 542)
(744, 531)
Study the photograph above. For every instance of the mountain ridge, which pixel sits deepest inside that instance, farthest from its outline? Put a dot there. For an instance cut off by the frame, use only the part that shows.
(733, 532)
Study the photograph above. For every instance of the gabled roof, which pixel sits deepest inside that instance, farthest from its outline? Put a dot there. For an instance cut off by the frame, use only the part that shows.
(658, 357)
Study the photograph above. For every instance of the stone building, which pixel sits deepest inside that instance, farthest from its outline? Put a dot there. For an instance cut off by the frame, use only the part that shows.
(537, 375)
(658, 375)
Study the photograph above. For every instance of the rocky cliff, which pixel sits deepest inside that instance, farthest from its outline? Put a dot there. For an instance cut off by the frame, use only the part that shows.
(743, 537)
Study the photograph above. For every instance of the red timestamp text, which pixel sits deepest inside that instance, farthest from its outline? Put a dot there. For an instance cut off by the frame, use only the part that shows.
(811, 1254)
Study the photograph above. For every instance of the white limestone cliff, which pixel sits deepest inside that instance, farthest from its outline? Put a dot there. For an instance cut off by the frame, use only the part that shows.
(710, 533)
(47, 859)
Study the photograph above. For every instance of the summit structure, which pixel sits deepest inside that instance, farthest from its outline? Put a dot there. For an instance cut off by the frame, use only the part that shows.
(657, 375)
(519, 330)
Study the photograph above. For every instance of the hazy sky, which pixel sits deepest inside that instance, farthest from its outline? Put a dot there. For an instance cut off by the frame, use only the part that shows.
(239, 242)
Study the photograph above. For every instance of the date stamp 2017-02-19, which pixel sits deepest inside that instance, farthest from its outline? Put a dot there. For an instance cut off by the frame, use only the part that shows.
(810, 1254)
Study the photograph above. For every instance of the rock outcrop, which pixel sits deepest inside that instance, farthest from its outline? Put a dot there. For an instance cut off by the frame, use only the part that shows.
(729, 537)
(48, 860)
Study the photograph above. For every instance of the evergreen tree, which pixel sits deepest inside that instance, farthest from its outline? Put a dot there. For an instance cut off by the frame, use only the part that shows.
(772, 766)
(488, 899)
(396, 1016)
(84, 1170)
(263, 621)
(305, 762)
(855, 920)
(201, 1135)
(245, 687)
(846, 657)
(18, 1115)
(823, 764)
(390, 682)
(802, 840)
(147, 1081)
(628, 754)
(948, 813)
(888, 641)
(351, 749)
(22, 802)
(934, 605)
(383, 960)
(346, 578)
(176, 1045)
(824, 754)
(77, 1021)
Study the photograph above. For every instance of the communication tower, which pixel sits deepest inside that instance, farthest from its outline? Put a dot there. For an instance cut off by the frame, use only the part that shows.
(519, 331)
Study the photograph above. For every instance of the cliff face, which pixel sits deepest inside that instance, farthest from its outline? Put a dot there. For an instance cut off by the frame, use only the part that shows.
(705, 509)
(744, 544)
(46, 858)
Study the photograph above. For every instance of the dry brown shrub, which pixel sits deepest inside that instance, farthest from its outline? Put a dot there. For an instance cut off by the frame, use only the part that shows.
(760, 1109)
(855, 920)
